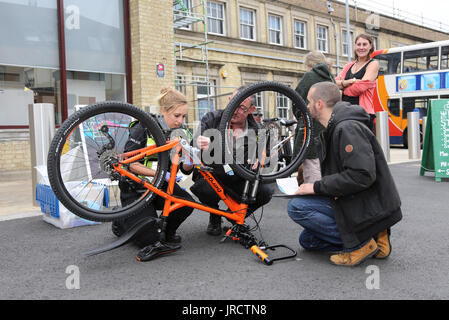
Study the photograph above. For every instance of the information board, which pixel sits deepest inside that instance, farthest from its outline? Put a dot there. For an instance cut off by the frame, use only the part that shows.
(436, 140)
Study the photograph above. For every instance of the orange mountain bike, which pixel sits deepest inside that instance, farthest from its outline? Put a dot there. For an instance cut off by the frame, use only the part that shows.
(86, 163)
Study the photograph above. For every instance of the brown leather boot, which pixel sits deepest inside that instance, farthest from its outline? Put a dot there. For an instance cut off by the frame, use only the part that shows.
(353, 258)
(383, 242)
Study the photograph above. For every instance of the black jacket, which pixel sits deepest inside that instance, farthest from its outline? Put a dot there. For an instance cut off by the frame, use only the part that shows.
(211, 120)
(356, 176)
(138, 138)
(319, 73)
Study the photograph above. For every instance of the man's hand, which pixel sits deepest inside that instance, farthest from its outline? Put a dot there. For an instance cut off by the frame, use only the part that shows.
(304, 189)
(203, 142)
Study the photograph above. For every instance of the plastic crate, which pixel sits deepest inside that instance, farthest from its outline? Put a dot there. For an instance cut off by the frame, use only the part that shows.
(50, 204)
(47, 199)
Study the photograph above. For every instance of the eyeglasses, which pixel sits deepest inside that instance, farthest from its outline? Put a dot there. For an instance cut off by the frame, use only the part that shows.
(243, 109)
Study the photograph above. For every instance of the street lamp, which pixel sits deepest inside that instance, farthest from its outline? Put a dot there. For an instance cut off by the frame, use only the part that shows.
(348, 33)
(330, 10)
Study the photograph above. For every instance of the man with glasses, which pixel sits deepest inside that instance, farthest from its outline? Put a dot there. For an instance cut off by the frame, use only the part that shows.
(241, 123)
(258, 117)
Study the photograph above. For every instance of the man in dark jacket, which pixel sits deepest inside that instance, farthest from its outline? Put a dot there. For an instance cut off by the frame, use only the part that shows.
(356, 202)
(241, 122)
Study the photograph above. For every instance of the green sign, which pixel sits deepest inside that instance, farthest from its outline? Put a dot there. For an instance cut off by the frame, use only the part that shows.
(436, 140)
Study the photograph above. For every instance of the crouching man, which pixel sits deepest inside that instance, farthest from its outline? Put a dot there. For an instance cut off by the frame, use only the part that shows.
(350, 210)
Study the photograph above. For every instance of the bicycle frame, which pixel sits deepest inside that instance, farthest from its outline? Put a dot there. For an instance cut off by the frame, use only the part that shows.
(239, 232)
(238, 210)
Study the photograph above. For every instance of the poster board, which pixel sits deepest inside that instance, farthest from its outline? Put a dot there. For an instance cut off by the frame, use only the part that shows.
(436, 140)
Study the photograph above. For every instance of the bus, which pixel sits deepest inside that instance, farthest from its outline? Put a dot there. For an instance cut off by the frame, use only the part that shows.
(408, 78)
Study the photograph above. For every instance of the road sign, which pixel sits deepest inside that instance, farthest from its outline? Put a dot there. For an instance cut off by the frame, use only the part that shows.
(160, 70)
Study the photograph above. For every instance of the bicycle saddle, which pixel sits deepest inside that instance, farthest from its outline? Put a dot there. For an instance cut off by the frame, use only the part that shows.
(287, 123)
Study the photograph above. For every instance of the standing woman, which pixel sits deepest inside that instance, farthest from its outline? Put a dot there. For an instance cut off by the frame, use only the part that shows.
(173, 105)
(358, 78)
(317, 71)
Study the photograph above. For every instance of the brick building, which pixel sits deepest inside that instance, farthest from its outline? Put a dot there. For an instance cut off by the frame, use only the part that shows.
(70, 52)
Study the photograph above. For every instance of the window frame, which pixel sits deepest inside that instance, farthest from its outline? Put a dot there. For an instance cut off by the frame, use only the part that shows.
(222, 19)
(295, 34)
(282, 98)
(326, 28)
(253, 26)
(343, 36)
(280, 31)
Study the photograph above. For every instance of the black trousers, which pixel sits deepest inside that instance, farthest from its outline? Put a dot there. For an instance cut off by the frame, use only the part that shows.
(206, 194)
(174, 220)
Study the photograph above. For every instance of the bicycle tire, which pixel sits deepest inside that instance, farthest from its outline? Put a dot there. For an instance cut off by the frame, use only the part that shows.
(115, 115)
(231, 108)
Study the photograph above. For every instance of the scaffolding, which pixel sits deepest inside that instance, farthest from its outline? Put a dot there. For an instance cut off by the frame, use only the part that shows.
(187, 13)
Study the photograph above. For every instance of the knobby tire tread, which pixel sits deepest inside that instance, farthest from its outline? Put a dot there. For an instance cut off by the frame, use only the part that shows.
(54, 154)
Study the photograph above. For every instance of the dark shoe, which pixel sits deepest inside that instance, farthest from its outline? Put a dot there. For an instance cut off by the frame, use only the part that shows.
(214, 227)
(172, 238)
(156, 250)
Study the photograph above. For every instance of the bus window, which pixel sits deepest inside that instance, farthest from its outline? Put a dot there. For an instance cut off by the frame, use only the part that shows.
(418, 103)
(421, 60)
(389, 63)
(393, 106)
(445, 57)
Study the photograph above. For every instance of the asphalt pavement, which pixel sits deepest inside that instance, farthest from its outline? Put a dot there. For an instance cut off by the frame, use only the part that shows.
(40, 261)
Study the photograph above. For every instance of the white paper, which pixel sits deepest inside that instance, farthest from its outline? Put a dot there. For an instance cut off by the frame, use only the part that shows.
(288, 185)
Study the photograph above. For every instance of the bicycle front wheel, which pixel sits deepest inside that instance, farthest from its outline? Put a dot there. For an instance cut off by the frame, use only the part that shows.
(258, 160)
(82, 156)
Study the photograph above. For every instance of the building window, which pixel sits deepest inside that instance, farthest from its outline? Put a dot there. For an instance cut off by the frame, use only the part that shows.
(274, 30)
(247, 24)
(90, 87)
(259, 102)
(282, 106)
(322, 38)
(215, 18)
(375, 42)
(205, 93)
(21, 86)
(345, 44)
(300, 34)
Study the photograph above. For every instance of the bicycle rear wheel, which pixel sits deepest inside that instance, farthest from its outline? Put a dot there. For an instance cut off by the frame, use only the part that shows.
(268, 144)
(82, 154)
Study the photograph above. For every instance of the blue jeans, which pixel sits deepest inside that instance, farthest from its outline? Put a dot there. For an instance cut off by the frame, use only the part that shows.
(315, 215)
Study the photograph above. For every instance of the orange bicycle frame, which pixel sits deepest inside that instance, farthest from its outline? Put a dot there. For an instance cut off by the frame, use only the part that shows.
(237, 210)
